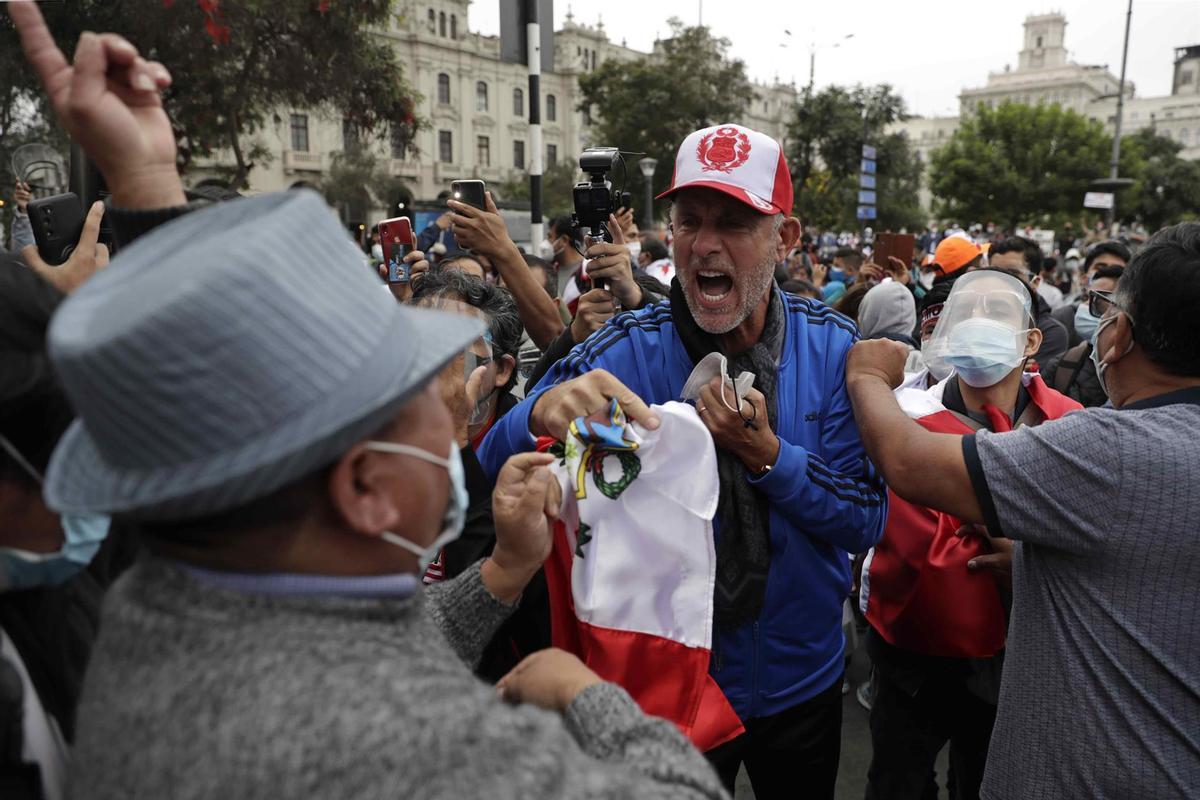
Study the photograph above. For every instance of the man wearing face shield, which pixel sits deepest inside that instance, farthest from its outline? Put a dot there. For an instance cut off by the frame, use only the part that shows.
(937, 613)
(1099, 694)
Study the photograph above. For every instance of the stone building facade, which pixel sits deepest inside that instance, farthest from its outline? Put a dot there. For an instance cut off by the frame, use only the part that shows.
(476, 104)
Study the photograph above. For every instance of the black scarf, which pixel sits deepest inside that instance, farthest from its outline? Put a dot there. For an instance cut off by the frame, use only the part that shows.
(743, 515)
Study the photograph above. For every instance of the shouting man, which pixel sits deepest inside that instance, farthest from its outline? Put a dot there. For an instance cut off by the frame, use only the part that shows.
(796, 491)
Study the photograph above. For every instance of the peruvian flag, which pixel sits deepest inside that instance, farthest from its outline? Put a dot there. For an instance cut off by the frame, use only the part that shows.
(916, 589)
(633, 566)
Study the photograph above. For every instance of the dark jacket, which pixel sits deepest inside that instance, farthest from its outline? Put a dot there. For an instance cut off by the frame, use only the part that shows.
(1066, 315)
(528, 628)
(1075, 376)
(1054, 336)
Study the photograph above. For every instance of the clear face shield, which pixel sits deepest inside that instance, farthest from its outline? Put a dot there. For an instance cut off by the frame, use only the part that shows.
(983, 328)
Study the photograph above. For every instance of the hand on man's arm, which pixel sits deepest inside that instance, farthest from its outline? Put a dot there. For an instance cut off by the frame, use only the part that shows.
(108, 100)
(923, 467)
(485, 232)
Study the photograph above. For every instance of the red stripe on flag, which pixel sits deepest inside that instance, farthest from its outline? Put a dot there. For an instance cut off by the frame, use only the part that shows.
(666, 678)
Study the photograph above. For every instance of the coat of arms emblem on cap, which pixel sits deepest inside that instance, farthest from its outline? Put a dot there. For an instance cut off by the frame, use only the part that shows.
(724, 150)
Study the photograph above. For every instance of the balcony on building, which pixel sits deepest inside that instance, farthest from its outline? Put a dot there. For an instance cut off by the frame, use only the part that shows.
(301, 161)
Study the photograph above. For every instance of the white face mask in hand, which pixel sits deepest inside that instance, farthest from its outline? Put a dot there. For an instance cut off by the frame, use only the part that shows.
(712, 366)
(456, 508)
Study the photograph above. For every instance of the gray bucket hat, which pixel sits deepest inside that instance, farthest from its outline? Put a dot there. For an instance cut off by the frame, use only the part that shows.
(228, 353)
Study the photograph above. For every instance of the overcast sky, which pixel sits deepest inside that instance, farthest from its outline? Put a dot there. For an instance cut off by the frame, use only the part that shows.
(929, 49)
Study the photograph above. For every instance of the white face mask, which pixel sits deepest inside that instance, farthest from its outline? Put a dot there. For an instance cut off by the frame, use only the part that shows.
(377, 251)
(1101, 365)
(711, 366)
(456, 508)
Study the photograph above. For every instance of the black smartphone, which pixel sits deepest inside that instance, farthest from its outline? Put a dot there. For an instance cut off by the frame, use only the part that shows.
(57, 223)
(626, 200)
(469, 192)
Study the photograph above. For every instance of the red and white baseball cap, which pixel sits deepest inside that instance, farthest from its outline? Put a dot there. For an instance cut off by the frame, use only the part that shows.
(740, 162)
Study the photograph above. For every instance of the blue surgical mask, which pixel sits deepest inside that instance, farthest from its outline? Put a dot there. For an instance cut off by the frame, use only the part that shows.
(82, 536)
(983, 351)
(456, 507)
(1086, 324)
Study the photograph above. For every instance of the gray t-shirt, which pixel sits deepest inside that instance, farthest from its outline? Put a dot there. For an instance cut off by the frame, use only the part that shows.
(1101, 690)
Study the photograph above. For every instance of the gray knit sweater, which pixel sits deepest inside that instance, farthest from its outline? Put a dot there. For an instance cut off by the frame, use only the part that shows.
(199, 692)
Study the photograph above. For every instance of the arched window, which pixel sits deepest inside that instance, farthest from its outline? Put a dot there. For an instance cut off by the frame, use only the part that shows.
(454, 26)
(1183, 135)
(443, 88)
(442, 23)
(551, 108)
(432, 21)
(481, 100)
(518, 102)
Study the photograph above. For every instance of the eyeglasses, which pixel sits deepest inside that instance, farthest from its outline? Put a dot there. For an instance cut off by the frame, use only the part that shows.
(1099, 302)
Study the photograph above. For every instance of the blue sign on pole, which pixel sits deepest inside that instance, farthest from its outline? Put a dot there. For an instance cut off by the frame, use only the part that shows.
(866, 212)
(866, 198)
(866, 181)
(868, 152)
(868, 166)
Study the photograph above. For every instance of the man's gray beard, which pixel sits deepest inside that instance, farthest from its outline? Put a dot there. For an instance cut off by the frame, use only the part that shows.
(756, 289)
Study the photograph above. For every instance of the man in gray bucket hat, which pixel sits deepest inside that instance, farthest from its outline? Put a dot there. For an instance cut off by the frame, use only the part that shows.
(261, 408)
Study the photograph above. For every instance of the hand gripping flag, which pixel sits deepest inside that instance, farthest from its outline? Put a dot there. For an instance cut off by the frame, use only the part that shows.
(632, 570)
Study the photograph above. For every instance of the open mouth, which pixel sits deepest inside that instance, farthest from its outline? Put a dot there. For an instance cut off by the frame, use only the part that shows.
(714, 286)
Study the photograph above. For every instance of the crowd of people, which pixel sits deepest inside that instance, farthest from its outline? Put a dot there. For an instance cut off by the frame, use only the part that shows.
(275, 527)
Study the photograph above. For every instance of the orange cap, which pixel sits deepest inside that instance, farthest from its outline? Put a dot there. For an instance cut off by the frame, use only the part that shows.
(954, 253)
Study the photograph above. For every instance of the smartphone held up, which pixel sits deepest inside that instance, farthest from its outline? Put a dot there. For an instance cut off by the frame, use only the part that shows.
(396, 238)
(470, 192)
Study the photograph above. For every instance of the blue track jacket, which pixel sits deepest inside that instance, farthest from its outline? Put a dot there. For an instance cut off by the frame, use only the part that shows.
(826, 499)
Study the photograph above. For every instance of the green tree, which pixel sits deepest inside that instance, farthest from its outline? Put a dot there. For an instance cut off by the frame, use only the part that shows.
(1166, 188)
(1018, 163)
(652, 103)
(357, 182)
(557, 182)
(827, 134)
(236, 62)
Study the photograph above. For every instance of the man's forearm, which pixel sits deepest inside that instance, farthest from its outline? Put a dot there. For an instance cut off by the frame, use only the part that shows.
(536, 308)
(468, 611)
(923, 467)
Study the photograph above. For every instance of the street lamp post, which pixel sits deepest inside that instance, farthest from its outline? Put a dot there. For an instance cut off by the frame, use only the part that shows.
(1116, 150)
(647, 166)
